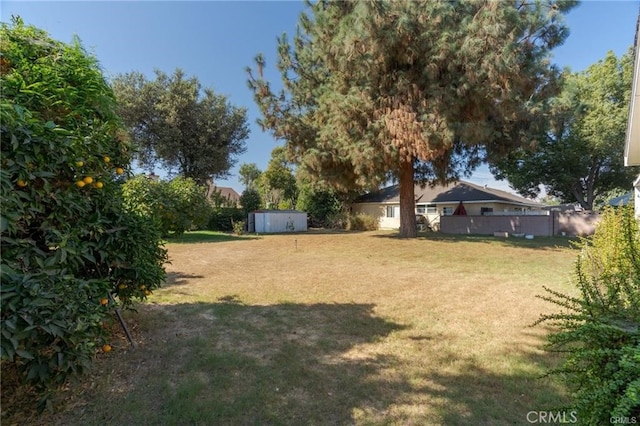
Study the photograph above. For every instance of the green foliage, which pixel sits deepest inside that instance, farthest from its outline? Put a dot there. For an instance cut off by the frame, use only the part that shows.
(362, 222)
(250, 200)
(176, 123)
(249, 175)
(599, 330)
(322, 206)
(278, 183)
(67, 239)
(238, 227)
(578, 156)
(373, 90)
(223, 218)
(176, 206)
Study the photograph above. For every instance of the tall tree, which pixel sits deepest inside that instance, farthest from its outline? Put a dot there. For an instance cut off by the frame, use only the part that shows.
(418, 90)
(180, 125)
(249, 175)
(580, 154)
(278, 182)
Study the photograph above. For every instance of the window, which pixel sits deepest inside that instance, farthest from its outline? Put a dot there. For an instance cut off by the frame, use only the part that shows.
(427, 209)
(447, 211)
(389, 211)
(486, 210)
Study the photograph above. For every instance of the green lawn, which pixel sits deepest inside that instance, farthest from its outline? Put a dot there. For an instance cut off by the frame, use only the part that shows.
(337, 328)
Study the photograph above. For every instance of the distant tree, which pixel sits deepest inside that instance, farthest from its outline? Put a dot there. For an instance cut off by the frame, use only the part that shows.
(181, 126)
(579, 158)
(249, 175)
(250, 200)
(279, 181)
(176, 206)
(410, 90)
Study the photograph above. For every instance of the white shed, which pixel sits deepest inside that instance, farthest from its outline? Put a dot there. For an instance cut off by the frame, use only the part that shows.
(271, 221)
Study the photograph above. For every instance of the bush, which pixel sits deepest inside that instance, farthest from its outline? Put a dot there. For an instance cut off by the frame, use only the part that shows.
(176, 206)
(362, 222)
(599, 330)
(322, 207)
(67, 240)
(222, 219)
(238, 227)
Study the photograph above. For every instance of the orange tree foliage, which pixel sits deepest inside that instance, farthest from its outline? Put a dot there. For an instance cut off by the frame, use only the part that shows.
(67, 240)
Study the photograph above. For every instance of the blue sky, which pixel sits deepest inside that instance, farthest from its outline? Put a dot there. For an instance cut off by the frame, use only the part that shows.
(216, 40)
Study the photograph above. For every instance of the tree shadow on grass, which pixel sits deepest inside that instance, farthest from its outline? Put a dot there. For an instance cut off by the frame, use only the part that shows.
(228, 363)
(470, 395)
(179, 278)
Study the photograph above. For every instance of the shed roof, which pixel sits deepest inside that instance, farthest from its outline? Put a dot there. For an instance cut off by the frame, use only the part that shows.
(452, 193)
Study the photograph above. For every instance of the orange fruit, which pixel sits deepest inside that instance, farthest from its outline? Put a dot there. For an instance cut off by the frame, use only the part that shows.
(21, 183)
(88, 179)
(106, 159)
(104, 301)
(79, 163)
(98, 185)
(80, 184)
(119, 170)
(106, 348)
(122, 286)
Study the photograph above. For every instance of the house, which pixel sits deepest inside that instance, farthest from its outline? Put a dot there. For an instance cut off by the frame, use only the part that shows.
(443, 200)
(222, 195)
(632, 144)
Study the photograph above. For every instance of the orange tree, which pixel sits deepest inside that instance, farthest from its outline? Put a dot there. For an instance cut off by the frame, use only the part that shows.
(67, 239)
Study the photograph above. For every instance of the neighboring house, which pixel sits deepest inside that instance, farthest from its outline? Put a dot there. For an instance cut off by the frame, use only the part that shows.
(632, 145)
(432, 202)
(226, 197)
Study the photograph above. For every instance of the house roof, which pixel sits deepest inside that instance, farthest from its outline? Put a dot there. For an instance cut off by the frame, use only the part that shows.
(452, 193)
(623, 200)
(632, 145)
(228, 193)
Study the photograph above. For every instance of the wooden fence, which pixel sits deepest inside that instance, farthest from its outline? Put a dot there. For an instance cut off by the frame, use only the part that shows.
(556, 223)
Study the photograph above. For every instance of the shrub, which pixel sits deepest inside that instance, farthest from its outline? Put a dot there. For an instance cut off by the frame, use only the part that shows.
(238, 227)
(222, 219)
(599, 330)
(362, 222)
(322, 206)
(67, 240)
(176, 206)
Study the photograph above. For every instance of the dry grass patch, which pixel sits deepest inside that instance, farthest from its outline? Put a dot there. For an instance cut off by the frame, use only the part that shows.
(337, 329)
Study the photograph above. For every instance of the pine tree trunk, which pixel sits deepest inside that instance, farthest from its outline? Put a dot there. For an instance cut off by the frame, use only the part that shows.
(408, 227)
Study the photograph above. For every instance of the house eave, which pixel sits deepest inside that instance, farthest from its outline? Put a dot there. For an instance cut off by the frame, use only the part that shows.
(632, 143)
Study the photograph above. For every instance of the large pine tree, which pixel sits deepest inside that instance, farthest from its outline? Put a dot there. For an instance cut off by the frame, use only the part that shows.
(414, 91)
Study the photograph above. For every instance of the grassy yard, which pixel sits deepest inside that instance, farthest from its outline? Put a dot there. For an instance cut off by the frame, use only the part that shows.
(341, 328)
